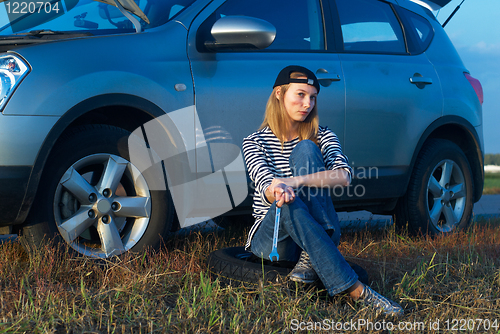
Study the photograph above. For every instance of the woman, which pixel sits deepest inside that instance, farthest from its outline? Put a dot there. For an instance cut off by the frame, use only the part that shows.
(294, 163)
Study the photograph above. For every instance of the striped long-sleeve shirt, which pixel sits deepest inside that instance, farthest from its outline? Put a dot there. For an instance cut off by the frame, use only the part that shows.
(266, 160)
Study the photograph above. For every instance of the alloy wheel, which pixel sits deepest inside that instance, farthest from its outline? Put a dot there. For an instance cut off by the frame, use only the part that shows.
(102, 205)
(446, 195)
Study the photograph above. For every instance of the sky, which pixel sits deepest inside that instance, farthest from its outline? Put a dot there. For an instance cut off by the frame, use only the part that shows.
(475, 32)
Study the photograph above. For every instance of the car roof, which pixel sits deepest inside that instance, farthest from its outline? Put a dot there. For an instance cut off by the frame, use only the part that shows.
(432, 4)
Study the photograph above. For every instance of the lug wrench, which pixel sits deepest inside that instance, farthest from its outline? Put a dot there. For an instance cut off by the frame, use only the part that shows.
(274, 251)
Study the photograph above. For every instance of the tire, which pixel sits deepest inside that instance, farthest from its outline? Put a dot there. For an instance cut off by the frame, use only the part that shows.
(75, 206)
(234, 222)
(235, 266)
(439, 198)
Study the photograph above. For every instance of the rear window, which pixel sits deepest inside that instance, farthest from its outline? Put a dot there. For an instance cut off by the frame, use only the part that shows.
(370, 26)
(421, 29)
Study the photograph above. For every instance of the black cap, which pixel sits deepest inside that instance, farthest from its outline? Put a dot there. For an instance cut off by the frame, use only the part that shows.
(284, 77)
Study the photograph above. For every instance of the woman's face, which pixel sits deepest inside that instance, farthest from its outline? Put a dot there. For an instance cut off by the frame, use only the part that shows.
(299, 100)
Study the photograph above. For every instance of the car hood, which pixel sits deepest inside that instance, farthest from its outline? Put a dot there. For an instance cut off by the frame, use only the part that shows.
(432, 4)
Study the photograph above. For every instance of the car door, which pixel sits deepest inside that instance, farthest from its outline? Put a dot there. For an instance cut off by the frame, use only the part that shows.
(392, 95)
(232, 87)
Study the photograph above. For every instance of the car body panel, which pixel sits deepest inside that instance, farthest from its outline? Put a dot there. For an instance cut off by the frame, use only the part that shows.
(22, 137)
(382, 103)
(13, 180)
(459, 97)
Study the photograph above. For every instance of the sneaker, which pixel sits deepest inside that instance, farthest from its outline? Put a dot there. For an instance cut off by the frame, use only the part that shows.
(303, 271)
(379, 303)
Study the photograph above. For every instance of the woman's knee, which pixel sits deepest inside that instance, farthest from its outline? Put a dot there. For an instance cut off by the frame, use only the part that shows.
(306, 158)
(306, 146)
(290, 210)
(287, 208)
(296, 213)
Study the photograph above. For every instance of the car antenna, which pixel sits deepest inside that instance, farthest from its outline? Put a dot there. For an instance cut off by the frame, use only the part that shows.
(452, 14)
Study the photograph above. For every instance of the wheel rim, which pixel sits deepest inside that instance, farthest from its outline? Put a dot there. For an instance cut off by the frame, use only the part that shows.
(446, 196)
(102, 205)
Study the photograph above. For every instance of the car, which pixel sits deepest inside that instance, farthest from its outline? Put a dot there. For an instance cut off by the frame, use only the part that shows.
(122, 120)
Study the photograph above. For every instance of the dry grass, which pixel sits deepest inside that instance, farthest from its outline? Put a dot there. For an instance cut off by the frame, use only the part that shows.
(47, 291)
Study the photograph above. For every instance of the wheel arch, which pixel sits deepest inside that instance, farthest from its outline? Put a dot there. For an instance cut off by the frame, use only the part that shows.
(462, 133)
(120, 110)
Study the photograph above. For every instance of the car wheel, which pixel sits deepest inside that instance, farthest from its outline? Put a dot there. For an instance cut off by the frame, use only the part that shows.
(94, 199)
(439, 198)
(235, 266)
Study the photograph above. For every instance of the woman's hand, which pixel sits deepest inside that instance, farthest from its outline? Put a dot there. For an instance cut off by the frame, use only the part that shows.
(280, 191)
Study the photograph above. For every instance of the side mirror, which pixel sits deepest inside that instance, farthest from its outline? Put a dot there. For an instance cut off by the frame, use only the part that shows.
(241, 32)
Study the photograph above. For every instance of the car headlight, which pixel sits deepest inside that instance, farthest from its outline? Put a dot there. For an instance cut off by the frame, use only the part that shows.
(13, 69)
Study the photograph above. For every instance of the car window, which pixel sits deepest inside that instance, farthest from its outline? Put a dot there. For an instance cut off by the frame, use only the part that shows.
(422, 29)
(298, 26)
(370, 26)
(82, 15)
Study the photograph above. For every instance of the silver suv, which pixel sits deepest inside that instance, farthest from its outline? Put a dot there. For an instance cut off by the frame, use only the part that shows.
(79, 79)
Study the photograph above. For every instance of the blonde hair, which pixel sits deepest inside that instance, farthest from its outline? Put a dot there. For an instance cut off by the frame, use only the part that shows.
(276, 116)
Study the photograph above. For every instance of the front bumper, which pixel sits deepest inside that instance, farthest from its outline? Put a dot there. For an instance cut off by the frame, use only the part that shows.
(13, 186)
(21, 138)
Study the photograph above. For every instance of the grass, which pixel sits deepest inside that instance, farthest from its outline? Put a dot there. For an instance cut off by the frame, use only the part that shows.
(443, 278)
(491, 184)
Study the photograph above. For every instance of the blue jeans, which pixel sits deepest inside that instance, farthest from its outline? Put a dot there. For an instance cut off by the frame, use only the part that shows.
(309, 223)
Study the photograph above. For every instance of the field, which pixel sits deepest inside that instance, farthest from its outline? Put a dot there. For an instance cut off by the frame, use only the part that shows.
(491, 184)
(454, 280)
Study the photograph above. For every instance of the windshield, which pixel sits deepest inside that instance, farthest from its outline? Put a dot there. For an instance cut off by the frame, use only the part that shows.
(81, 16)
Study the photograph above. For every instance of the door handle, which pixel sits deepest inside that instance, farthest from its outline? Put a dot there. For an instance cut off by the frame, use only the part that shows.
(328, 76)
(421, 80)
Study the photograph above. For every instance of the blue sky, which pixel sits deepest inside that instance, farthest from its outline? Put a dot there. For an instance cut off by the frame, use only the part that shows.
(475, 32)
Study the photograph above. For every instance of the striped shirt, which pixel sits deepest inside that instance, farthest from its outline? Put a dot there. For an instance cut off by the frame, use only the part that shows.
(266, 160)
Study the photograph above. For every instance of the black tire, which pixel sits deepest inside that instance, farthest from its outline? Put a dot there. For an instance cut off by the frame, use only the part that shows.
(235, 266)
(127, 216)
(234, 222)
(439, 198)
